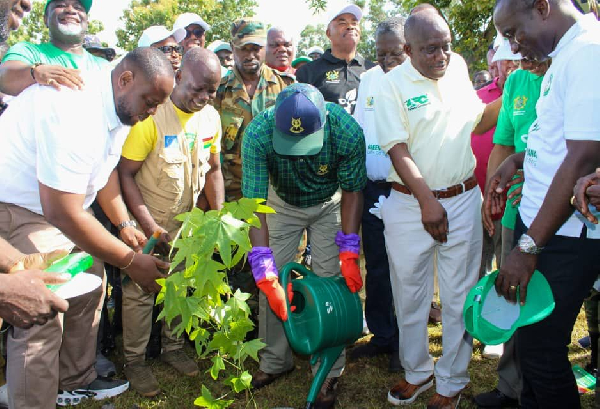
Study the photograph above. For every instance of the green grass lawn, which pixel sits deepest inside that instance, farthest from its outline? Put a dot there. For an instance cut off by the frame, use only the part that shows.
(364, 384)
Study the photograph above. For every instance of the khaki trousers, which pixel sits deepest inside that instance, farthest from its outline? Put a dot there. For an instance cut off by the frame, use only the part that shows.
(411, 251)
(60, 354)
(137, 324)
(286, 228)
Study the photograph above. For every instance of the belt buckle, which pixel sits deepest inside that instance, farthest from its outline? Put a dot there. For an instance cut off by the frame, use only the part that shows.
(464, 187)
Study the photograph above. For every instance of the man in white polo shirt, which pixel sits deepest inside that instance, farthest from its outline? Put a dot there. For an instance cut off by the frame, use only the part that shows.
(426, 111)
(379, 303)
(59, 151)
(563, 144)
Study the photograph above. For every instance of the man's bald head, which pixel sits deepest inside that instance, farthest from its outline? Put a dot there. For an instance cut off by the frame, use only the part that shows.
(147, 61)
(423, 24)
(428, 43)
(201, 59)
(141, 81)
(197, 80)
(424, 7)
(534, 27)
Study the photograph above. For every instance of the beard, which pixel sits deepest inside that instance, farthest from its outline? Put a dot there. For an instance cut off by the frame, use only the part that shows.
(124, 113)
(70, 29)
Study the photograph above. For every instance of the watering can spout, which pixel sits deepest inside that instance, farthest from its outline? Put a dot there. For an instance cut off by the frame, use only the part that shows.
(327, 358)
(326, 318)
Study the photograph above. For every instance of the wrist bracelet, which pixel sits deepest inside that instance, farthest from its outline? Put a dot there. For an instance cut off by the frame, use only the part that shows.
(130, 262)
(126, 223)
(31, 70)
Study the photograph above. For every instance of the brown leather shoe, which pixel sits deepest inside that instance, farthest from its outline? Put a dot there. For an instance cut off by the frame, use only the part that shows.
(435, 314)
(404, 393)
(327, 395)
(438, 401)
(260, 378)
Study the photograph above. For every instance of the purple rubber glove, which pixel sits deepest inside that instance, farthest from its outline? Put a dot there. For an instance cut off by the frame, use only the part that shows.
(348, 242)
(262, 264)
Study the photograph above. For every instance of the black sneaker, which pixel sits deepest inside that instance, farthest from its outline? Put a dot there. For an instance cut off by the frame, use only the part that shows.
(97, 390)
(495, 399)
(368, 350)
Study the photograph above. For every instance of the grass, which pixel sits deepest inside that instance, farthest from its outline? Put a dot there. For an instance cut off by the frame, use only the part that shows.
(364, 384)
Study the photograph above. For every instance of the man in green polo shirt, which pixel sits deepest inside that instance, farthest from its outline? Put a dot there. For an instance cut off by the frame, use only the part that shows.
(521, 92)
(313, 154)
(56, 62)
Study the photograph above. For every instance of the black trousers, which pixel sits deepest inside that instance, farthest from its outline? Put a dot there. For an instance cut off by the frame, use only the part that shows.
(571, 265)
(379, 302)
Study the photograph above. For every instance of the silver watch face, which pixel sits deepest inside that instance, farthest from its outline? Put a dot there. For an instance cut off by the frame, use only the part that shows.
(527, 245)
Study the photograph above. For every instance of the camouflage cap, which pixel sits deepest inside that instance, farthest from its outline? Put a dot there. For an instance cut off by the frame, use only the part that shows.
(248, 31)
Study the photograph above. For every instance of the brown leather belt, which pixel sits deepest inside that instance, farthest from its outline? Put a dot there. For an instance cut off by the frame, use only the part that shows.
(450, 191)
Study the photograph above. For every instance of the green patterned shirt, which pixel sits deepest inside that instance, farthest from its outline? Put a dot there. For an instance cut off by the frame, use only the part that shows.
(304, 181)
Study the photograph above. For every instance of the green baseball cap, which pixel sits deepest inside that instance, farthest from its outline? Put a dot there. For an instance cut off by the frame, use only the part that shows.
(87, 4)
(493, 320)
(248, 31)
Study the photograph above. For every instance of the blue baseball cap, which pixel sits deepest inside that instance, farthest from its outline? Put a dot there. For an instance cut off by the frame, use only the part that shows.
(300, 117)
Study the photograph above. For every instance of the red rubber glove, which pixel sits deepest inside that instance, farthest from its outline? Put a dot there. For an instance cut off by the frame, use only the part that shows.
(351, 270)
(275, 295)
(291, 296)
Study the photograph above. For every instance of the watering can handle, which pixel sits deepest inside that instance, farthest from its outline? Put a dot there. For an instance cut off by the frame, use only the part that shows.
(284, 277)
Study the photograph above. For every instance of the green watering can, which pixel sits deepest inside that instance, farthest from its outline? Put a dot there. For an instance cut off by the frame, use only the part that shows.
(327, 318)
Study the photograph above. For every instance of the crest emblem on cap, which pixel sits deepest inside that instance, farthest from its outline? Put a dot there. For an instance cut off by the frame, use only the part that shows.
(296, 125)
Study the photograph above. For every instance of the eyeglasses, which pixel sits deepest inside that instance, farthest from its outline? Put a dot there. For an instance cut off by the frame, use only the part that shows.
(197, 32)
(168, 49)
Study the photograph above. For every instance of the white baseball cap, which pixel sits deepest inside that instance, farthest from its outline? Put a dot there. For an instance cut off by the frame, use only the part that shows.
(154, 34)
(186, 19)
(350, 8)
(504, 52)
(315, 49)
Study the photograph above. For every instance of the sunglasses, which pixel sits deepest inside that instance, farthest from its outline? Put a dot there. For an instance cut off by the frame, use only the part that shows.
(197, 32)
(168, 49)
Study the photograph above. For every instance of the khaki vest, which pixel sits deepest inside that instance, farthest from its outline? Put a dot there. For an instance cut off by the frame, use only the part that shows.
(172, 177)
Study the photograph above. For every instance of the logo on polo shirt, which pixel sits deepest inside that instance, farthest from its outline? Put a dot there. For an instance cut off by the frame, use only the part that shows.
(296, 125)
(519, 104)
(417, 102)
(332, 76)
(548, 84)
(370, 103)
(323, 170)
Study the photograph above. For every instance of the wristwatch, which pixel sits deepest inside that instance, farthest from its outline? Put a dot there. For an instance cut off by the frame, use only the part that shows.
(126, 223)
(527, 245)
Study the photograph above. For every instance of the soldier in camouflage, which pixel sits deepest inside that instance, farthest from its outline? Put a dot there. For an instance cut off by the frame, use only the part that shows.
(249, 88)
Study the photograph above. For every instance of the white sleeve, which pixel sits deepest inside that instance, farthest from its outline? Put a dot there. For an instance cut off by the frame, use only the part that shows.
(391, 121)
(582, 95)
(359, 109)
(65, 156)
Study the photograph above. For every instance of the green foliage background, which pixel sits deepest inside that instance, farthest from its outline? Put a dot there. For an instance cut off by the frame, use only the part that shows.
(144, 13)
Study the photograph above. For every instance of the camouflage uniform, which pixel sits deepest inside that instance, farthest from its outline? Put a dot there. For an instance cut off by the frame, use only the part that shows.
(237, 110)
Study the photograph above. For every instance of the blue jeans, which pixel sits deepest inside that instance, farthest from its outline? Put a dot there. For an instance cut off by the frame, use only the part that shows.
(570, 264)
(379, 304)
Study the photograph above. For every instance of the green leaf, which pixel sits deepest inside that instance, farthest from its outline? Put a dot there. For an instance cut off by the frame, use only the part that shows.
(241, 383)
(251, 349)
(207, 400)
(217, 366)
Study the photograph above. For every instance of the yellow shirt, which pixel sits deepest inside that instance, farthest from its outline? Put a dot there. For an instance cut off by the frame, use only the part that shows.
(434, 118)
(143, 135)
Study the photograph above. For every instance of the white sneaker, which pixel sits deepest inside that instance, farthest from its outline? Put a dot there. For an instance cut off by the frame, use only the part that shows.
(4, 396)
(493, 351)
